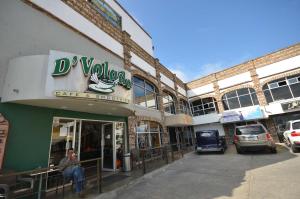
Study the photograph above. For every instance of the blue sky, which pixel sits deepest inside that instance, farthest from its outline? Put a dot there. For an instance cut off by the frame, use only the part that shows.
(194, 38)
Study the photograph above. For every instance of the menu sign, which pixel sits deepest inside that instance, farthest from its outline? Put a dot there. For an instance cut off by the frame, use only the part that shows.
(4, 125)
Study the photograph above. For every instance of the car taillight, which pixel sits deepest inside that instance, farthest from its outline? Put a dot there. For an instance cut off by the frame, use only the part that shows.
(268, 136)
(236, 138)
(294, 134)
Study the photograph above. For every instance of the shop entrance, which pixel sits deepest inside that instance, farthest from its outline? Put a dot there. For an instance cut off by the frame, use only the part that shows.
(90, 139)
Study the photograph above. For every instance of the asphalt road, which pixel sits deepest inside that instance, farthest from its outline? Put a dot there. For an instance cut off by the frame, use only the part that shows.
(253, 175)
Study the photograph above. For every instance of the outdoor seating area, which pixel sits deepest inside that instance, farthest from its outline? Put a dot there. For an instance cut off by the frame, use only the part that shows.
(50, 183)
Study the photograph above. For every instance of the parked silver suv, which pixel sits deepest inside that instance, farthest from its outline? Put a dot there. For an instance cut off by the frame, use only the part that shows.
(253, 137)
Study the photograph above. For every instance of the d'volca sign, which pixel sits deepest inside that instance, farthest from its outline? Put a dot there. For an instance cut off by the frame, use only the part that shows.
(104, 79)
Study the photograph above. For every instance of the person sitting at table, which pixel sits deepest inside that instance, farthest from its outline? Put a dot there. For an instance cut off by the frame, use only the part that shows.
(71, 169)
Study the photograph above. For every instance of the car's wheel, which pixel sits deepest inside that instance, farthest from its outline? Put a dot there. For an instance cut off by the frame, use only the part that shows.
(239, 150)
(294, 149)
(273, 150)
(222, 151)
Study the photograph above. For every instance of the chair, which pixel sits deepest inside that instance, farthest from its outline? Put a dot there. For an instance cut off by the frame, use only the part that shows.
(14, 186)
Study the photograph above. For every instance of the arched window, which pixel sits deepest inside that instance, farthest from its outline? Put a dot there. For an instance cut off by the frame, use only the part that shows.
(149, 134)
(283, 88)
(204, 106)
(168, 103)
(239, 98)
(145, 93)
(184, 107)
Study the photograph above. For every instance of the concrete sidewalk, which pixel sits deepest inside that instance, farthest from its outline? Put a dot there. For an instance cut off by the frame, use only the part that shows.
(252, 175)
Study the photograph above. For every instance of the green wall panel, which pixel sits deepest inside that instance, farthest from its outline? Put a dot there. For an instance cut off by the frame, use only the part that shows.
(30, 133)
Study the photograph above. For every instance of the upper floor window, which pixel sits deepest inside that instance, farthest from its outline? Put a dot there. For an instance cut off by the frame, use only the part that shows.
(204, 106)
(184, 107)
(240, 98)
(281, 89)
(145, 93)
(107, 12)
(168, 103)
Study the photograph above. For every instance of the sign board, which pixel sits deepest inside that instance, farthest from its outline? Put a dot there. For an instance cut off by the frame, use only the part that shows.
(291, 105)
(4, 127)
(251, 113)
(76, 76)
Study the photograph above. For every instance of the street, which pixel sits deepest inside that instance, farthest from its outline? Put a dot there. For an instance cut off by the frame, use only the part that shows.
(253, 175)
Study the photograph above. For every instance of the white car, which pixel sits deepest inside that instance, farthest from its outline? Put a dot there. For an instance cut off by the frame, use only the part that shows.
(292, 134)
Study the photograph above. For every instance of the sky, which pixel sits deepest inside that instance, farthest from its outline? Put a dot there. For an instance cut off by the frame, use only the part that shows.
(194, 38)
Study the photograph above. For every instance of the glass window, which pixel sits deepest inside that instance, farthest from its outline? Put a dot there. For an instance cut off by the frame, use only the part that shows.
(107, 12)
(231, 94)
(144, 93)
(250, 130)
(138, 81)
(296, 125)
(282, 83)
(254, 99)
(149, 87)
(204, 106)
(287, 88)
(168, 103)
(293, 81)
(244, 97)
(233, 103)
(184, 108)
(225, 104)
(151, 99)
(281, 93)
(295, 89)
(268, 96)
(245, 101)
(139, 96)
(142, 127)
(243, 91)
(149, 134)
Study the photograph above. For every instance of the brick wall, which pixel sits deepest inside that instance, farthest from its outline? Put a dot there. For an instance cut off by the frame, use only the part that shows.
(249, 66)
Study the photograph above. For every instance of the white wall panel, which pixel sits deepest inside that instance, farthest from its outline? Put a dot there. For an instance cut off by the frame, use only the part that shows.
(234, 80)
(142, 64)
(167, 80)
(181, 91)
(279, 67)
(200, 90)
(77, 21)
(206, 119)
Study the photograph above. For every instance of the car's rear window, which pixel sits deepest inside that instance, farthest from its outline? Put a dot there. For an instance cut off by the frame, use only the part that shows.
(250, 130)
(296, 125)
(206, 134)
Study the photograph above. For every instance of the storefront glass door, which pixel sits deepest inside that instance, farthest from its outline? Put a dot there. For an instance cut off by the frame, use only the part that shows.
(90, 139)
(108, 149)
(64, 136)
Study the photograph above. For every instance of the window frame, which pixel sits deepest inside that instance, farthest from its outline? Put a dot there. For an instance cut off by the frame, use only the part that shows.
(144, 87)
(287, 79)
(225, 98)
(148, 133)
(201, 109)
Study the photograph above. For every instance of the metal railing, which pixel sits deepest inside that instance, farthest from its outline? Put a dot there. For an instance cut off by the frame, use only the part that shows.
(50, 183)
(47, 182)
(153, 158)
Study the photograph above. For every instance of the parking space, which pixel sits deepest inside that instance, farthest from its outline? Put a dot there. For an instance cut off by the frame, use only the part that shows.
(252, 175)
